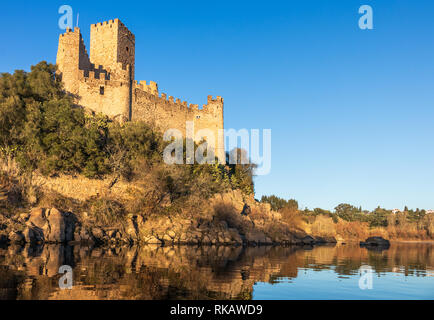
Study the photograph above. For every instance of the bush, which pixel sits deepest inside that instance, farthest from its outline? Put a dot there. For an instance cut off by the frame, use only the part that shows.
(105, 211)
(354, 230)
(324, 226)
(292, 217)
(44, 130)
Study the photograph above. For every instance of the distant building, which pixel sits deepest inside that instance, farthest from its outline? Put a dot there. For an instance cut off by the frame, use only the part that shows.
(395, 211)
(429, 211)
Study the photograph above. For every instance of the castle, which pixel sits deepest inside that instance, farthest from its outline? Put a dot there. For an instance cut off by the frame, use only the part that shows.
(104, 83)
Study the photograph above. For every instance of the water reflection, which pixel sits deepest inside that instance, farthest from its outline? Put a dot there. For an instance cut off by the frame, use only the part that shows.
(190, 272)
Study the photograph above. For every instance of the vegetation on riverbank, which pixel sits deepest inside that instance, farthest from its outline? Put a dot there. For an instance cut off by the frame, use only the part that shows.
(350, 222)
(42, 132)
(49, 147)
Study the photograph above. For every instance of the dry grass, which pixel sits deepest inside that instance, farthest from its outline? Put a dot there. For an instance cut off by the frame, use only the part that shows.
(356, 230)
(17, 188)
(105, 210)
(293, 218)
(323, 226)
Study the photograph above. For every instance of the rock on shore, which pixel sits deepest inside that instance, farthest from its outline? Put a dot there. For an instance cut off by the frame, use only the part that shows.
(375, 242)
(230, 219)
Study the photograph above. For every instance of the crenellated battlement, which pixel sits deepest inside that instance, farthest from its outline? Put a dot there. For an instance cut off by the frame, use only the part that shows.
(151, 88)
(103, 81)
(115, 23)
(69, 32)
(151, 91)
(93, 75)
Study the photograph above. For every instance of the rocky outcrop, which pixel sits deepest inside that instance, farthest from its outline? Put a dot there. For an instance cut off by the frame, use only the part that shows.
(49, 225)
(230, 219)
(327, 239)
(308, 240)
(375, 242)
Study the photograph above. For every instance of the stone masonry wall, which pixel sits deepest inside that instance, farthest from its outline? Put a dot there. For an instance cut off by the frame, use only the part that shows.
(104, 84)
(170, 113)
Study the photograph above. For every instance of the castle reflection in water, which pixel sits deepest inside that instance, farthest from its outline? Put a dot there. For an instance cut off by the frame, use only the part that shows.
(189, 272)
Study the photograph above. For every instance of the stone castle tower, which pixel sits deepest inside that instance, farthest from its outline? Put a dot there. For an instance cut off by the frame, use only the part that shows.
(104, 82)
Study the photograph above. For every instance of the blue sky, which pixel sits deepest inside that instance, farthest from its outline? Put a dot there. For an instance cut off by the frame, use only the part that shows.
(351, 111)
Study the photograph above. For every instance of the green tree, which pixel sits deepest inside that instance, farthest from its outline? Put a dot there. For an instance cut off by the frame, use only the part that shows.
(348, 212)
(280, 203)
(378, 217)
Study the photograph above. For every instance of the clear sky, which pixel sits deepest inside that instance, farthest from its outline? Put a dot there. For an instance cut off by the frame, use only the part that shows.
(351, 110)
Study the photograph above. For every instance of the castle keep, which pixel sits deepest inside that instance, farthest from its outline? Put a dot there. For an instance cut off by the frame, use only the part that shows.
(104, 82)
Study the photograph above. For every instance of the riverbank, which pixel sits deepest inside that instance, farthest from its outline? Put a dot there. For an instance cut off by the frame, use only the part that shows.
(226, 219)
(231, 218)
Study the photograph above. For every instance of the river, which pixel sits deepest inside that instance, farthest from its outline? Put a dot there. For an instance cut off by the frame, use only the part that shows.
(404, 271)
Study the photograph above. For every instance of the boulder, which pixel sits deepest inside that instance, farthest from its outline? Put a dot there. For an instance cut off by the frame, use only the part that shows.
(82, 235)
(49, 225)
(268, 241)
(255, 237)
(235, 236)
(193, 241)
(171, 234)
(325, 239)
(206, 240)
(16, 237)
(61, 226)
(98, 233)
(167, 239)
(183, 237)
(154, 240)
(375, 242)
(308, 240)
(33, 235)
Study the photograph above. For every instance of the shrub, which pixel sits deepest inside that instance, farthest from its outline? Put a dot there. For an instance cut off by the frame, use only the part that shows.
(39, 122)
(105, 210)
(292, 217)
(354, 230)
(323, 226)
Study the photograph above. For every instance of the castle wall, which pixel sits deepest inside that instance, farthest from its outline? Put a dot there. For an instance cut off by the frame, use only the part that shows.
(167, 113)
(104, 84)
(110, 97)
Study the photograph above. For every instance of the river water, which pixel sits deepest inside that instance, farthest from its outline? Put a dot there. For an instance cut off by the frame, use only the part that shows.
(404, 271)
